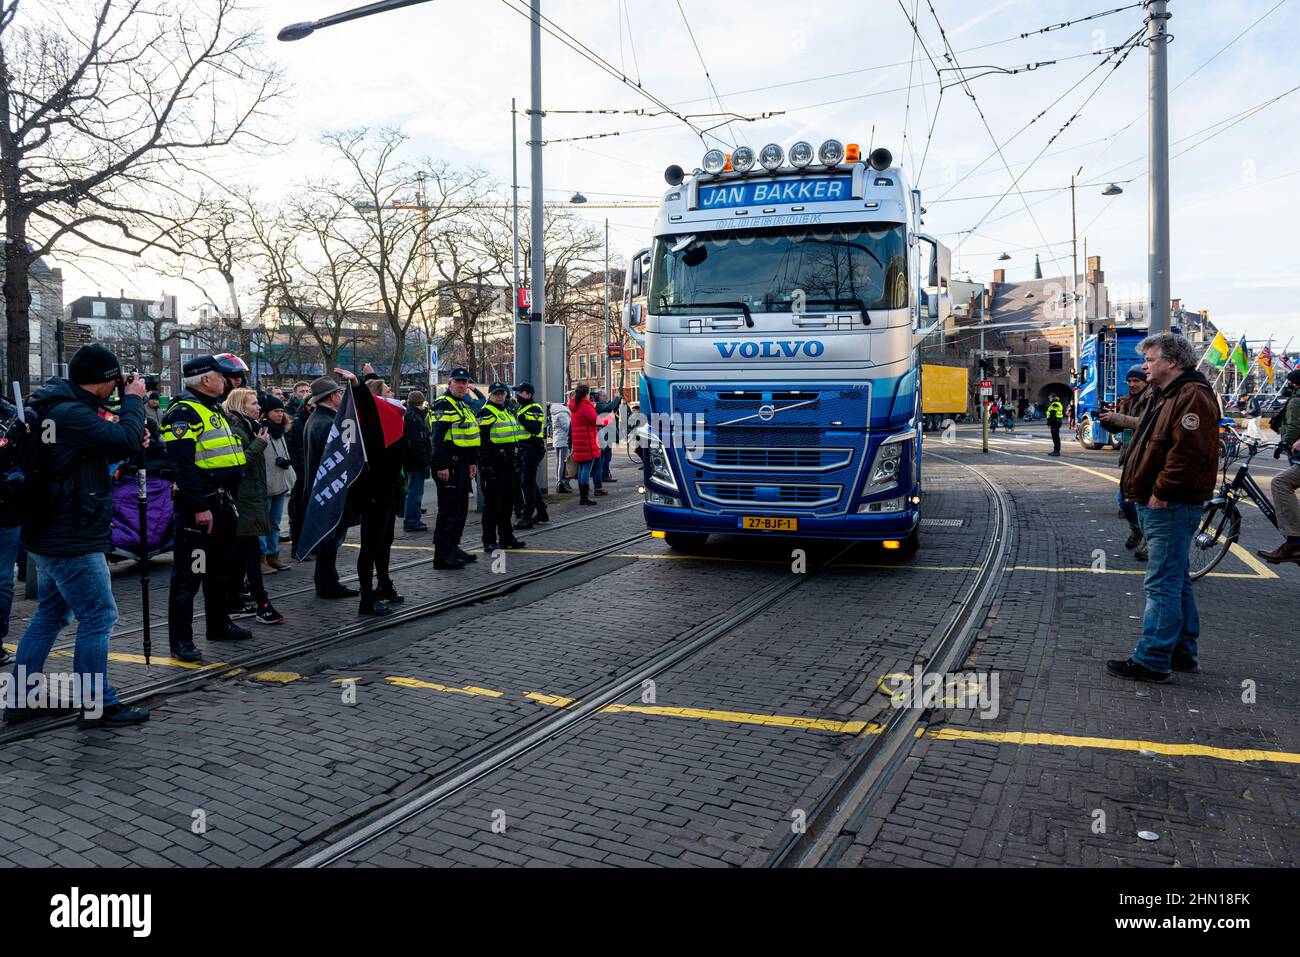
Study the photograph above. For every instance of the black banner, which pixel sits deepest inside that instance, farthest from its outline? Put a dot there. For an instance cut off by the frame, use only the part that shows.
(340, 465)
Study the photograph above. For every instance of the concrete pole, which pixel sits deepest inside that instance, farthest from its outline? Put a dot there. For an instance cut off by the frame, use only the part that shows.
(538, 287)
(1074, 288)
(1158, 216)
(609, 379)
(514, 167)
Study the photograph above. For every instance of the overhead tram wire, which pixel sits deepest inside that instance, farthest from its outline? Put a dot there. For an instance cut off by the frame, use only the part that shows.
(907, 108)
(1077, 113)
(573, 43)
(889, 66)
(704, 66)
(966, 88)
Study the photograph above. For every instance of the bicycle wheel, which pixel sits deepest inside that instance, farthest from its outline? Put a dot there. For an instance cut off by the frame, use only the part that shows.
(631, 448)
(1218, 532)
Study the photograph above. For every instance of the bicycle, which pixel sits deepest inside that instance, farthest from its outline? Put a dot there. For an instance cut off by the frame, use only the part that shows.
(1221, 521)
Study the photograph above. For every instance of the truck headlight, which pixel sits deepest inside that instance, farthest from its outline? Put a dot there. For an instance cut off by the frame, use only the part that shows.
(888, 464)
(878, 508)
(658, 498)
(661, 469)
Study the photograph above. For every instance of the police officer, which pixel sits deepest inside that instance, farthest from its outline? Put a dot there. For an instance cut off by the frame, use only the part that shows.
(500, 434)
(1055, 413)
(531, 452)
(456, 442)
(208, 463)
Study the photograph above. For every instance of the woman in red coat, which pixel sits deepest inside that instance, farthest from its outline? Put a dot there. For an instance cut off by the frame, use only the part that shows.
(582, 435)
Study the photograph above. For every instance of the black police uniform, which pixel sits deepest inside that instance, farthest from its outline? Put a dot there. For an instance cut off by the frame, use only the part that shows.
(200, 558)
(454, 429)
(531, 453)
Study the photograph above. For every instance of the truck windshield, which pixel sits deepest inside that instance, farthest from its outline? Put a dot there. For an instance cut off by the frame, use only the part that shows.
(803, 269)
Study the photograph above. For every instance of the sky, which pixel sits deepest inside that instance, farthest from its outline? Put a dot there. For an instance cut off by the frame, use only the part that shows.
(445, 72)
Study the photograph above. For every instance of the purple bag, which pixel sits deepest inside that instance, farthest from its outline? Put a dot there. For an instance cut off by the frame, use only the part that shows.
(126, 514)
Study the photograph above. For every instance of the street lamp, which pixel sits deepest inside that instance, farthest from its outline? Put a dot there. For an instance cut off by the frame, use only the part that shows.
(1112, 190)
(578, 199)
(1005, 257)
(296, 31)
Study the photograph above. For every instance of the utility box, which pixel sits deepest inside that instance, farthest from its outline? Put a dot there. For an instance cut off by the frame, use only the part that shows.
(556, 359)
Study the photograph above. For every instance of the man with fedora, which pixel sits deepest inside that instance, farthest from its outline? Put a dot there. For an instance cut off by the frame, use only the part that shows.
(326, 393)
(207, 465)
(456, 441)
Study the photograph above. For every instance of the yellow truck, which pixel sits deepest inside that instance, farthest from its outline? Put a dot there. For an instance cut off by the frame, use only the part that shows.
(944, 395)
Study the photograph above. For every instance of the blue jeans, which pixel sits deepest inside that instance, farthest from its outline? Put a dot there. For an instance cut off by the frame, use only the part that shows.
(274, 513)
(82, 587)
(1129, 509)
(414, 500)
(584, 472)
(606, 456)
(1170, 622)
(8, 558)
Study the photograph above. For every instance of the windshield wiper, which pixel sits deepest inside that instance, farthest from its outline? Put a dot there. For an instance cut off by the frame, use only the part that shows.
(749, 319)
(844, 301)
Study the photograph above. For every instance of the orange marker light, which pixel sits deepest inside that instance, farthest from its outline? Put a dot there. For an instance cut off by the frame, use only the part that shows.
(892, 546)
(727, 168)
(852, 154)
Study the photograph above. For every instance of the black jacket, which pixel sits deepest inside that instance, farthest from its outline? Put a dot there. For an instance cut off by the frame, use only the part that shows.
(419, 441)
(80, 489)
(294, 439)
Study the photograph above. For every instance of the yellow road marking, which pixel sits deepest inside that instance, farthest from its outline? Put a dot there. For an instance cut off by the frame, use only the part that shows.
(552, 700)
(434, 686)
(277, 677)
(741, 717)
(1020, 738)
(1026, 738)
(1261, 570)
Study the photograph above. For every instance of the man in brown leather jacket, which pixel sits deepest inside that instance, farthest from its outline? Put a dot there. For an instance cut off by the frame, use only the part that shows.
(1170, 472)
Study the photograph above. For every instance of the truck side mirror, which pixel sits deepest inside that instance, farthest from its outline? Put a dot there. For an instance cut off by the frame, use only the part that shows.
(636, 279)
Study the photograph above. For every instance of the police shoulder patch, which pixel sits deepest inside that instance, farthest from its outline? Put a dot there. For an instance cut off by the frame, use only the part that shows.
(1191, 422)
(179, 429)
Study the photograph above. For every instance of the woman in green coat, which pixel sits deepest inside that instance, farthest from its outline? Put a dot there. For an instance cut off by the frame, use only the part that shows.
(244, 415)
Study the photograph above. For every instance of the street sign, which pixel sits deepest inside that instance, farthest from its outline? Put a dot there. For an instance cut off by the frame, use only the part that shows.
(524, 303)
(614, 350)
(986, 387)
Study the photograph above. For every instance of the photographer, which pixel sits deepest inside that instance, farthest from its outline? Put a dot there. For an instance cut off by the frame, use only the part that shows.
(208, 462)
(70, 540)
(1284, 486)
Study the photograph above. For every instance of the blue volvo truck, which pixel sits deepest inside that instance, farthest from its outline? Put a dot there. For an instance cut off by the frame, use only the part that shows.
(1104, 361)
(781, 310)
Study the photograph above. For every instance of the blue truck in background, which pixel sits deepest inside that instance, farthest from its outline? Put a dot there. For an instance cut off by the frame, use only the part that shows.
(1105, 359)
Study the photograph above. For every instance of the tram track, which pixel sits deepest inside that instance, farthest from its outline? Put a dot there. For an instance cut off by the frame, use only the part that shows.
(834, 821)
(265, 657)
(160, 625)
(372, 825)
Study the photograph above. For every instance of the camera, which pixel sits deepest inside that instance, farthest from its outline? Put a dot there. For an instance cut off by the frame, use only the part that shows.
(151, 380)
(282, 462)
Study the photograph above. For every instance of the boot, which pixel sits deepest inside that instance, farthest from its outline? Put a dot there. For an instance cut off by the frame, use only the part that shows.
(1141, 553)
(447, 562)
(564, 489)
(602, 491)
(274, 562)
(1134, 538)
(387, 593)
(543, 518)
(585, 495)
(267, 567)
(1286, 552)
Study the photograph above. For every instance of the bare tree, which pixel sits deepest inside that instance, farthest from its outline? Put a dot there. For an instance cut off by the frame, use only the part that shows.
(101, 103)
(397, 208)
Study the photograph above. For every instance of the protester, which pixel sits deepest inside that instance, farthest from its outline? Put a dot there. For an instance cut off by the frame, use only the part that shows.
(374, 496)
(561, 420)
(301, 392)
(325, 397)
(1170, 472)
(586, 448)
(1126, 417)
(69, 543)
(1284, 485)
(297, 459)
(244, 412)
(280, 480)
(418, 458)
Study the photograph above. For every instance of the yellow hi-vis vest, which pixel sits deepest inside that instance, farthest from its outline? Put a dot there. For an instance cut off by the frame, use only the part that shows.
(464, 428)
(1055, 409)
(532, 412)
(215, 446)
(505, 429)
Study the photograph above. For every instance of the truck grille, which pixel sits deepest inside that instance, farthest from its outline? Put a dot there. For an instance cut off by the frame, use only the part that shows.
(771, 459)
(770, 496)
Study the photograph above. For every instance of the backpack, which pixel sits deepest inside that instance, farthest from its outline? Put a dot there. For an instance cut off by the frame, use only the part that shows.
(25, 466)
(1279, 418)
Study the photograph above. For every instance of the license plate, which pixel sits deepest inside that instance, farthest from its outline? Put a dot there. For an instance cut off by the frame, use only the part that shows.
(757, 523)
